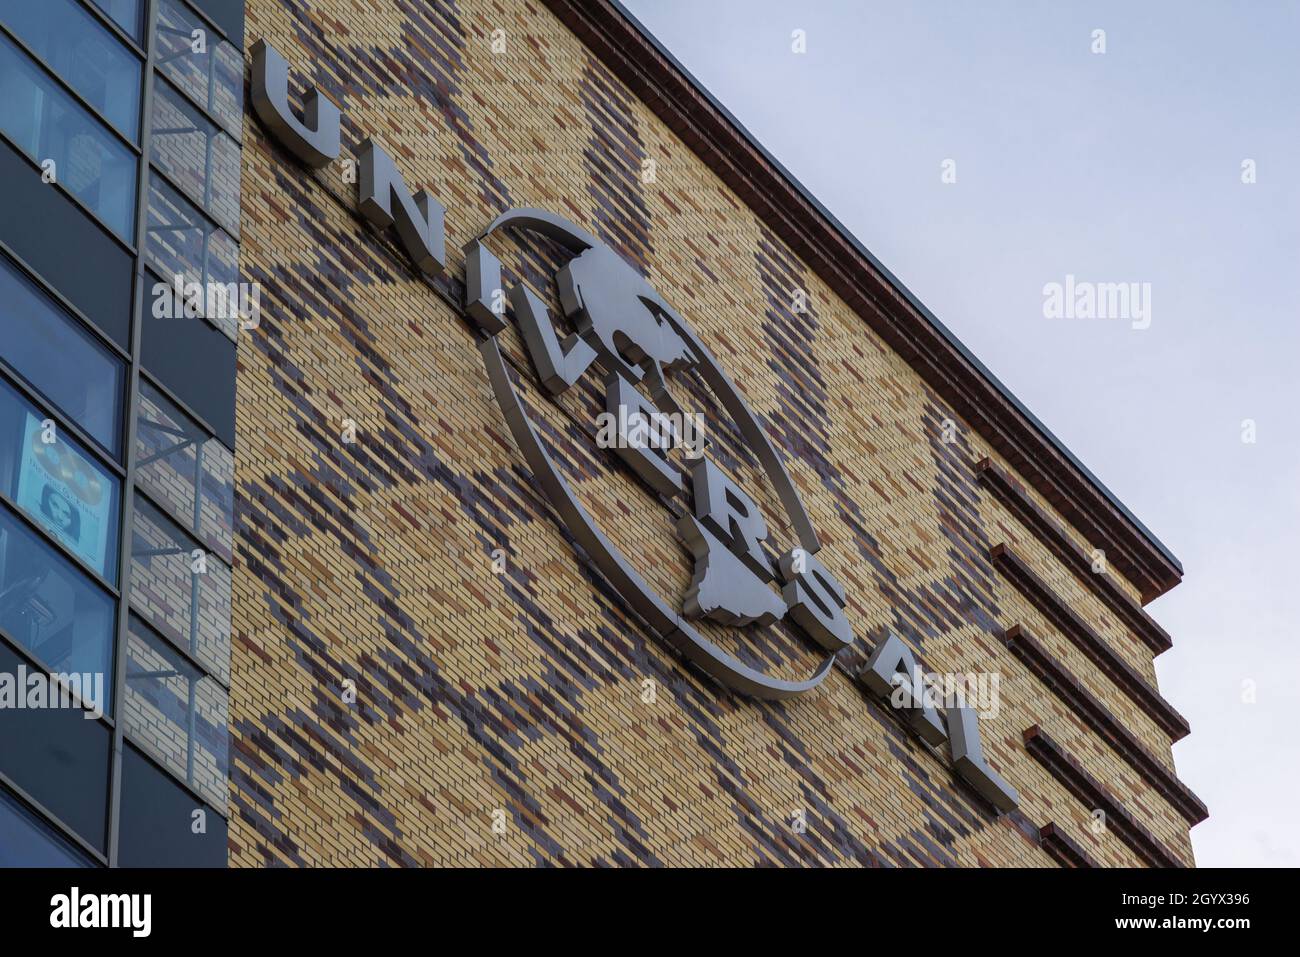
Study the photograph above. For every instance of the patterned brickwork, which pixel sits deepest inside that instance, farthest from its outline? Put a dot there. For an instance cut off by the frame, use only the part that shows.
(524, 716)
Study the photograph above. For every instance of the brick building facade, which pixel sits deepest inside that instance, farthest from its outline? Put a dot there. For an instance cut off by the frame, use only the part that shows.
(510, 709)
(355, 573)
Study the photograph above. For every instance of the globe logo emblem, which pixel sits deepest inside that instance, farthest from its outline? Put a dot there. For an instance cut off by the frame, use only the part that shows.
(637, 341)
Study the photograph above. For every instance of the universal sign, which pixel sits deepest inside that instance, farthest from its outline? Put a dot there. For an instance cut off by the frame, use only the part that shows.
(635, 340)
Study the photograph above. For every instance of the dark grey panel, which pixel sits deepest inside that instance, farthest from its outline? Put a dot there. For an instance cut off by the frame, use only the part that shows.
(227, 14)
(40, 224)
(157, 821)
(59, 758)
(197, 363)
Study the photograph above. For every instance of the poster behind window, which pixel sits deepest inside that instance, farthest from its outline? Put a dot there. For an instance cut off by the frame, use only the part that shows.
(66, 494)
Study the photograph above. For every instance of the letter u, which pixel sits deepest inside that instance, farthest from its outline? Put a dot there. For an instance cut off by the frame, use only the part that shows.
(316, 142)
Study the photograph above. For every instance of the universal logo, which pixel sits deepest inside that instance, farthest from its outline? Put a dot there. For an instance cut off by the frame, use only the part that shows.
(634, 339)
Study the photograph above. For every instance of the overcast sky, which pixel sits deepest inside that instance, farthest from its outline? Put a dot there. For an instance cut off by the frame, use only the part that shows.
(1122, 166)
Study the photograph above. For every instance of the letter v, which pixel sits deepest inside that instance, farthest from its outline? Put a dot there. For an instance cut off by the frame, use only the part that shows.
(559, 365)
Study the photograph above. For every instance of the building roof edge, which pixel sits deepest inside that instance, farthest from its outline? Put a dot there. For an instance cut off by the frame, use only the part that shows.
(633, 53)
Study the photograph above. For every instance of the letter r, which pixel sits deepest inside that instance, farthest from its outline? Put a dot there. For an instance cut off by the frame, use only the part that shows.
(730, 514)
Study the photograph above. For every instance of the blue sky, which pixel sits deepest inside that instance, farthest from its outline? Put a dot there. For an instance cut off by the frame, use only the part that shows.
(1122, 166)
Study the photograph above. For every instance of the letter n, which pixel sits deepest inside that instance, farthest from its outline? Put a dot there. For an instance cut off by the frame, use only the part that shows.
(419, 219)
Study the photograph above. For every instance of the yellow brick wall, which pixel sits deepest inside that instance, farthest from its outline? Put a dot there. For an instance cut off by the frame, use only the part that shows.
(519, 698)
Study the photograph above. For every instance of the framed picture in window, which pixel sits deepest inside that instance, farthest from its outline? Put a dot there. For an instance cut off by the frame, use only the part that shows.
(65, 493)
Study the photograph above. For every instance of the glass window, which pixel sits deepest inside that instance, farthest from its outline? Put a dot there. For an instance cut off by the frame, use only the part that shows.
(59, 358)
(52, 608)
(180, 589)
(176, 235)
(56, 482)
(192, 360)
(84, 53)
(125, 12)
(27, 841)
(176, 713)
(195, 154)
(185, 469)
(47, 124)
(181, 242)
(212, 75)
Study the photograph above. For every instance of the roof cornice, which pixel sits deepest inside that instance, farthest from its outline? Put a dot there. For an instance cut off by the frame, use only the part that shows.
(892, 311)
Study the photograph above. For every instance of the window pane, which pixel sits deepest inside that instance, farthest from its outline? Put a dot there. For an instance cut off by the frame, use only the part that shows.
(223, 283)
(84, 53)
(52, 351)
(179, 136)
(185, 469)
(57, 483)
(176, 713)
(27, 841)
(223, 182)
(212, 77)
(195, 154)
(181, 242)
(228, 88)
(175, 234)
(125, 12)
(52, 608)
(179, 589)
(47, 124)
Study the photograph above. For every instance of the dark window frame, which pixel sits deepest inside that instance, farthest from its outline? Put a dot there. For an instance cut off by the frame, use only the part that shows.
(185, 523)
(204, 673)
(210, 228)
(203, 206)
(17, 796)
(14, 513)
(209, 556)
(237, 132)
(77, 321)
(156, 372)
(86, 737)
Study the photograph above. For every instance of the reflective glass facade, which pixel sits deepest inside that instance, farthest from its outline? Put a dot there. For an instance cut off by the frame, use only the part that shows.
(116, 493)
